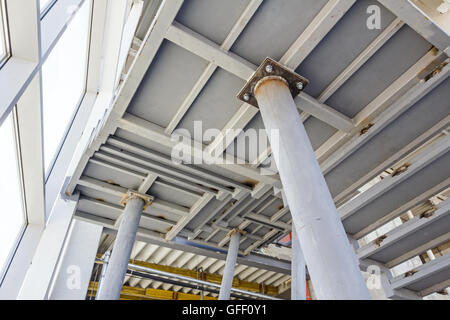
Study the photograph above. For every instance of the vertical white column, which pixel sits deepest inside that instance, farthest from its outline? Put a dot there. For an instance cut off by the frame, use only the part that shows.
(118, 264)
(298, 273)
(77, 260)
(332, 265)
(228, 273)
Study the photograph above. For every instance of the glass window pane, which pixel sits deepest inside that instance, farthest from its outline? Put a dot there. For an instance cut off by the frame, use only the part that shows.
(44, 4)
(3, 31)
(63, 82)
(11, 214)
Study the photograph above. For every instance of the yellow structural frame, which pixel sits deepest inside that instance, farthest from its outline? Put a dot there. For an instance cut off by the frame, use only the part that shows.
(214, 278)
(133, 293)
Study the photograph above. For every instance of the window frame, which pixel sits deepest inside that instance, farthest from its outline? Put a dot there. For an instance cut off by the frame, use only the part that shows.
(44, 11)
(5, 32)
(15, 133)
(48, 170)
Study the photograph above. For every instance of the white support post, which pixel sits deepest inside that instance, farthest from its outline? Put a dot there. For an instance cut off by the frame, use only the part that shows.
(77, 260)
(332, 265)
(118, 264)
(37, 281)
(298, 276)
(228, 273)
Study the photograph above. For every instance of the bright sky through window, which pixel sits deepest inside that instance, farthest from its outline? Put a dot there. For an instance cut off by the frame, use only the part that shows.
(63, 80)
(11, 215)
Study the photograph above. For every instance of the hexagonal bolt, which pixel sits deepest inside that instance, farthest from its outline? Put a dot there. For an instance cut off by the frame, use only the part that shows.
(299, 85)
(246, 96)
(269, 68)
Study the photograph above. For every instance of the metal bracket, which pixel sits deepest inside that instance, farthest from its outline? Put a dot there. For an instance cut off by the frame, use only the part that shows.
(271, 68)
(403, 168)
(136, 195)
(233, 231)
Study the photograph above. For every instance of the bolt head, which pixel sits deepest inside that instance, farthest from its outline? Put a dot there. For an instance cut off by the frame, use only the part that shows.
(269, 68)
(299, 85)
(246, 96)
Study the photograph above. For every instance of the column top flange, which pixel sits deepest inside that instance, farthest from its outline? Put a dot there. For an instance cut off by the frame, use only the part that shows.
(271, 68)
(130, 194)
(235, 230)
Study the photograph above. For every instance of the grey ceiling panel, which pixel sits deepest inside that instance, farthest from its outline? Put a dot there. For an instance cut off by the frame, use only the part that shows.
(341, 46)
(113, 176)
(100, 196)
(133, 139)
(211, 18)
(379, 72)
(255, 130)
(318, 131)
(167, 82)
(418, 119)
(201, 217)
(417, 184)
(171, 195)
(273, 208)
(215, 105)
(90, 205)
(274, 27)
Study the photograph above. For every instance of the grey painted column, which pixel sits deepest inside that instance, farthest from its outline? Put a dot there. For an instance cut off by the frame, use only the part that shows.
(298, 274)
(118, 263)
(228, 272)
(332, 265)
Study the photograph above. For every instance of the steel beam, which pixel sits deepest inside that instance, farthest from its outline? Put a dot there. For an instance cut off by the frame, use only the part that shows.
(419, 21)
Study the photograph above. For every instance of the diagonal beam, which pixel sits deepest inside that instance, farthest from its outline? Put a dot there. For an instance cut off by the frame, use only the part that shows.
(362, 58)
(416, 164)
(429, 136)
(154, 132)
(322, 23)
(151, 43)
(401, 104)
(420, 22)
(406, 229)
(424, 271)
(403, 208)
(196, 208)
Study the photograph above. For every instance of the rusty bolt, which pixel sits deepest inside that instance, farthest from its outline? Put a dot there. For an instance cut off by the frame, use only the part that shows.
(246, 96)
(269, 68)
(299, 85)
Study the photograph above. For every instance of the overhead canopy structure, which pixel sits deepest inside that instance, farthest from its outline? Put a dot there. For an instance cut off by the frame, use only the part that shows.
(377, 99)
(142, 128)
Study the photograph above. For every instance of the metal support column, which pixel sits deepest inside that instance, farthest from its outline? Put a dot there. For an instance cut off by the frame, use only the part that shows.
(118, 263)
(332, 265)
(228, 272)
(106, 257)
(298, 283)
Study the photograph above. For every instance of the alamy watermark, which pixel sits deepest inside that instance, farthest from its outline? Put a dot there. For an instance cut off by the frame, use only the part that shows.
(73, 281)
(250, 144)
